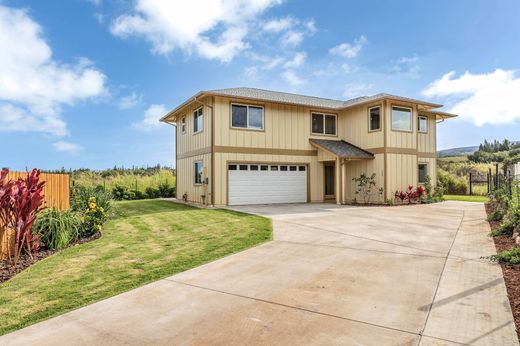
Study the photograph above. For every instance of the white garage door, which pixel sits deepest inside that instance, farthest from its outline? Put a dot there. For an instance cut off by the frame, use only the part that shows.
(265, 184)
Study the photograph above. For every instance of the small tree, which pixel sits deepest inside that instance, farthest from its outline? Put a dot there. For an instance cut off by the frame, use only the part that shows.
(365, 184)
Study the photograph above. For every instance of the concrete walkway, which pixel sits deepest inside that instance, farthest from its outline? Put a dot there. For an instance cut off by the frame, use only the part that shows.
(333, 276)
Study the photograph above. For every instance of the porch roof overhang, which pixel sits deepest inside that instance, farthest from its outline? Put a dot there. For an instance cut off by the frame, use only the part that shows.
(341, 149)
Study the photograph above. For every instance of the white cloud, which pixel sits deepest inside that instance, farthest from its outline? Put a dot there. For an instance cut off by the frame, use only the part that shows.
(66, 147)
(281, 24)
(292, 78)
(292, 38)
(99, 17)
(130, 101)
(487, 98)
(405, 64)
(213, 30)
(151, 118)
(349, 50)
(297, 61)
(33, 86)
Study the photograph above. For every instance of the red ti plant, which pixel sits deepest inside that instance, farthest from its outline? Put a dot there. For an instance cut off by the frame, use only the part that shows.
(400, 195)
(5, 202)
(26, 202)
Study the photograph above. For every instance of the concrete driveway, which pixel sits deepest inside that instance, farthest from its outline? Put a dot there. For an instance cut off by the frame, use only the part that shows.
(333, 275)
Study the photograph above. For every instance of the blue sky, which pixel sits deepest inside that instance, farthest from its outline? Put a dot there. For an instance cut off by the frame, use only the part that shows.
(82, 82)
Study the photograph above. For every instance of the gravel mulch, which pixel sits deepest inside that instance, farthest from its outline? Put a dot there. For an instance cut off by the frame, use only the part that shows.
(7, 271)
(511, 272)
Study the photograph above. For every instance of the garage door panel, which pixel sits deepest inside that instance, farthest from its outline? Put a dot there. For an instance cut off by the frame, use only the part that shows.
(264, 187)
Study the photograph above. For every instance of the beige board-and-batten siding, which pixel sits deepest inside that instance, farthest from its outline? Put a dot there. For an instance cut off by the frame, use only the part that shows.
(285, 139)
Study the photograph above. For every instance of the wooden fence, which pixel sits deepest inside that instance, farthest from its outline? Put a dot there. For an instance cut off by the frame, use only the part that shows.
(56, 193)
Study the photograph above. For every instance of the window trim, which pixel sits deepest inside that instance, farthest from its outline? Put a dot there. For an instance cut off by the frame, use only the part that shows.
(392, 118)
(183, 125)
(380, 119)
(247, 105)
(335, 115)
(202, 115)
(195, 172)
(418, 173)
(419, 123)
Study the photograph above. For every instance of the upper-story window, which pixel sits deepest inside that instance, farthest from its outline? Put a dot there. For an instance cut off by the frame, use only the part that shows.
(183, 125)
(198, 121)
(323, 124)
(422, 124)
(247, 117)
(402, 119)
(374, 118)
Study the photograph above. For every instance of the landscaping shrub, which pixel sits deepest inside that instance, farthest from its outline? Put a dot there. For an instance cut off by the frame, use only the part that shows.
(510, 256)
(433, 194)
(93, 218)
(165, 190)
(152, 192)
(120, 192)
(365, 184)
(411, 195)
(81, 196)
(452, 184)
(57, 229)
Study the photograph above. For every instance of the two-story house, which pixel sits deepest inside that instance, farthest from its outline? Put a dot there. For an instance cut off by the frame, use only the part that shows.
(251, 146)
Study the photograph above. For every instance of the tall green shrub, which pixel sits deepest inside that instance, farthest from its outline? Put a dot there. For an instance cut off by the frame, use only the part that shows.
(452, 184)
(81, 196)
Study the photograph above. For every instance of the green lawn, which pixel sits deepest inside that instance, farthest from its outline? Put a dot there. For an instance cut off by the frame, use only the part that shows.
(144, 241)
(466, 198)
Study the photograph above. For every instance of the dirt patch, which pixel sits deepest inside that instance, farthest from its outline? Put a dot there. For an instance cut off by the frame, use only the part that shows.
(7, 271)
(511, 272)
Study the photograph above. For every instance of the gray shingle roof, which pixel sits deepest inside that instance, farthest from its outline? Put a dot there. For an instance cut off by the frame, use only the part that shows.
(342, 149)
(295, 99)
(312, 101)
(276, 96)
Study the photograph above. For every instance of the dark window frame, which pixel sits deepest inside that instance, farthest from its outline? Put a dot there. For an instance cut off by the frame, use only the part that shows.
(248, 127)
(410, 128)
(419, 118)
(198, 167)
(198, 113)
(419, 172)
(324, 123)
(370, 129)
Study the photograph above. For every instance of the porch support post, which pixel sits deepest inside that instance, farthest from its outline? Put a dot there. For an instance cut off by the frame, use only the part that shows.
(338, 179)
(343, 181)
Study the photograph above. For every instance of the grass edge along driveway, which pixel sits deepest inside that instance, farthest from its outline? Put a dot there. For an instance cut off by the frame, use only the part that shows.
(145, 241)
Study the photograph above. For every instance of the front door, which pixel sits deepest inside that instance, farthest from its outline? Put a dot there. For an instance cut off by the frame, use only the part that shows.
(329, 182)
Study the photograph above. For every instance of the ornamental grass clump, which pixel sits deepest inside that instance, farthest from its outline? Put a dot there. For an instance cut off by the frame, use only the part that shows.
(58, 229)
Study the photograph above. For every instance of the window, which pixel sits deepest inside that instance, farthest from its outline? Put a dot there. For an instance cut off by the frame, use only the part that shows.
(423, 172)
(423, 124)
(301, 168)
(243, 167)
(183, 125)
(401, 119)
(324, 124)
(253, 167)
(232, 167)
(274, 168)
(247, 117)
(263, 168)
(198, 172)
(283, 168)
(374, 119)
(198, 121)
(292, 168)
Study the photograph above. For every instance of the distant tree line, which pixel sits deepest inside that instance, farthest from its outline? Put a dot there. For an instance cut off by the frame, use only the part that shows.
(497, 152)
(122, 170)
